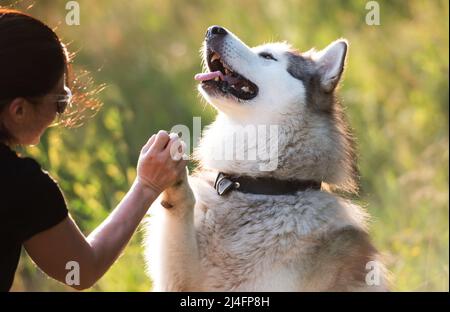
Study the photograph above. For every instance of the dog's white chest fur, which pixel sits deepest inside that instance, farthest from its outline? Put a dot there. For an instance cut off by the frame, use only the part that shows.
(251, 242)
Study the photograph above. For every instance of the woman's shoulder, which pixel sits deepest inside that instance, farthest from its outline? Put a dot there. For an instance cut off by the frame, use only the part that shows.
(23, 168)
(28, 165)
(32, 200)
(19, 169)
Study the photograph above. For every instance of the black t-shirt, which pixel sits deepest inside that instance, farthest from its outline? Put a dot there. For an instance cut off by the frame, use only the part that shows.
(30, 202)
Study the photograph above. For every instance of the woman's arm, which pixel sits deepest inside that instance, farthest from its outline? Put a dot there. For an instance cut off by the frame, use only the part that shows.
(52, 249)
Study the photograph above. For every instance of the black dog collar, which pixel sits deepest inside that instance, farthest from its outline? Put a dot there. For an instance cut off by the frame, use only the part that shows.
(267, 186)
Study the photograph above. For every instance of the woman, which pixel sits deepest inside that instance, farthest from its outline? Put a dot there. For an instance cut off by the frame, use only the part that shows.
(33, 91)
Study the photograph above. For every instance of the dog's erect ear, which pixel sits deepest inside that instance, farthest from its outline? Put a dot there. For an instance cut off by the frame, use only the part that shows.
(330, 64)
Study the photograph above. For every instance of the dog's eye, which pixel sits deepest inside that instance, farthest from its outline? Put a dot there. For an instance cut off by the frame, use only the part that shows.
(267, 56)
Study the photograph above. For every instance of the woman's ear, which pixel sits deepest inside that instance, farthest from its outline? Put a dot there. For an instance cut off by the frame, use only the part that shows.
(330, 64)
(16, 109)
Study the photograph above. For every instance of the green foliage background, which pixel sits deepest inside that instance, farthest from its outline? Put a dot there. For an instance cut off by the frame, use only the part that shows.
(146, 52)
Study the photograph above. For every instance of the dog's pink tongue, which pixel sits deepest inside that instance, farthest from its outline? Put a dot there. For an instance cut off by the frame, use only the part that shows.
(208, 76)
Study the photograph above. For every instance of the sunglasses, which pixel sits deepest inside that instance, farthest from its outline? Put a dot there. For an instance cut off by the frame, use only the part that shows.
(63, 101)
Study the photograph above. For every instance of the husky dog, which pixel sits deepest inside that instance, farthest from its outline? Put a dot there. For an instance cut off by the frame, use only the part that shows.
(235, 225)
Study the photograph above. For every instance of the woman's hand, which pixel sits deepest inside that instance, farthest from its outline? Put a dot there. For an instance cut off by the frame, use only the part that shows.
(160, 163)
(156, 170)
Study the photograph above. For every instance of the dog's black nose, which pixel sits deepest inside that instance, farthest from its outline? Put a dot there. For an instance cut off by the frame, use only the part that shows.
(215, 31)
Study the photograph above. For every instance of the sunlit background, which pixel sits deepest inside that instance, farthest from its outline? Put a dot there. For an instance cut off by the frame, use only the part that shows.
(146, 52)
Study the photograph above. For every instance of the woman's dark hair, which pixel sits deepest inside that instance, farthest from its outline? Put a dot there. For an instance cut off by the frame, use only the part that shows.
(32, 61)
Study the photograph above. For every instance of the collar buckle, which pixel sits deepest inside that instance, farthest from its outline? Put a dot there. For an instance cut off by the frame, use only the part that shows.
(223, 184)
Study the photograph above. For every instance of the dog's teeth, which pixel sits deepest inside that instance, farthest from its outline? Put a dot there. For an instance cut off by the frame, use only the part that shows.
(245, 89)
(215, 57)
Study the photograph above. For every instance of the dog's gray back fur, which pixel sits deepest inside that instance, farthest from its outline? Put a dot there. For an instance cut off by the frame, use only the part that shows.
(327, 106)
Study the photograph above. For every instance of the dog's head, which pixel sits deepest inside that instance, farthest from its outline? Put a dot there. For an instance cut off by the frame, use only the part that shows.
(240, 81)
(275, 84)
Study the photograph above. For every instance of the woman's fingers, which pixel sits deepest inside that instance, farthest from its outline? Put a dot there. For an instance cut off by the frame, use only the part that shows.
(163, 161)
(148, 144)
(176, 151)
(176, 148)
(169, 145)
(161, 140)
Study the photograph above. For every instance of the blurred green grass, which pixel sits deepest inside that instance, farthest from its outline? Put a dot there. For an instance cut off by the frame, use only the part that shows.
(395, 90)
